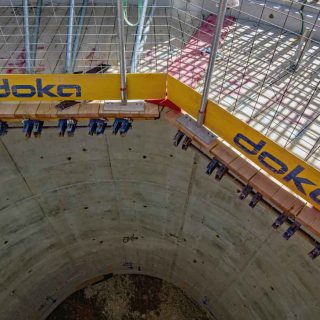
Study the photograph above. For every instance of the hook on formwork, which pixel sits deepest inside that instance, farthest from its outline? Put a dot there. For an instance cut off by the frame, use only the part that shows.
(125, 13)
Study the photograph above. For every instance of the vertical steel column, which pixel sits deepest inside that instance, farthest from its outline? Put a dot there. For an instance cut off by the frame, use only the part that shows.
(122, 56)
(137, 43)
(27, 36)
(35, 32)
(212, 60)
(76, 43)
(69, 37)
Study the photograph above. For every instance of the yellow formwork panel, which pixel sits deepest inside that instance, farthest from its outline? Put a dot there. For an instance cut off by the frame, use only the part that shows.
(55, 87)
(147, 86)
(289, 170)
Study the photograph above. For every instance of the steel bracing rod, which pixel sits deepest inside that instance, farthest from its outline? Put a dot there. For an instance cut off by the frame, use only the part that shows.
(147, 26)
(76, 42)
(301, 49)
(69, 37)
(35, 32)
(212, 60)
(135, 53)
(27, 36)
(122, 56)
(313, 149)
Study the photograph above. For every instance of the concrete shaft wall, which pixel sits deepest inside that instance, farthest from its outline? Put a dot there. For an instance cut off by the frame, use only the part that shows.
(75, 208)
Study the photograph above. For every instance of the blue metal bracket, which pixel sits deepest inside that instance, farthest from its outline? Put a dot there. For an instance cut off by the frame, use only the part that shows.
(97, 126)
(125, 127)
(221, 172)
(279, 221)
(62, 125)
(291, 230)
(255, 199)
(32, 126)
(315, 252)
(177, 138)
(245, 192)
(122, 126)
(27, 127)
(71, 127)
(37, 128)
(186, 143)
(3, 128)
(214, 163)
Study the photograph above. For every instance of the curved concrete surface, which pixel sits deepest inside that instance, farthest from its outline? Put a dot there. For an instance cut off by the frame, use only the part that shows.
(76, 208)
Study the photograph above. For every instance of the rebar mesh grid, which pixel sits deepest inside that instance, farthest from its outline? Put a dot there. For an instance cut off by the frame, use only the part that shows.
(267, 73)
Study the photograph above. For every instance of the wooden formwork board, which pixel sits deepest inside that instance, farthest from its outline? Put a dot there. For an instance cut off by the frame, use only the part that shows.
(47, 111)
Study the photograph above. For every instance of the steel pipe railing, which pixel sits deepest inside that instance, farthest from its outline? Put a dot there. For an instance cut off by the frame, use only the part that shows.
(76, 42)
(29, 68)
(68, 65)
(122, 56)
(212, 60)
(35, 32)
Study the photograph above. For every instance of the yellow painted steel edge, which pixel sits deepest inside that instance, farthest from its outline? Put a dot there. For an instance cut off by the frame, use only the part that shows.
(289, 170)
(56, 87)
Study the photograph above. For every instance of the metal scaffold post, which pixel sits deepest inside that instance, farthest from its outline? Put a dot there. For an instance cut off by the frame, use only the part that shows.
(70, 37)
(29, 68)
(122, 57)
(212, 60)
